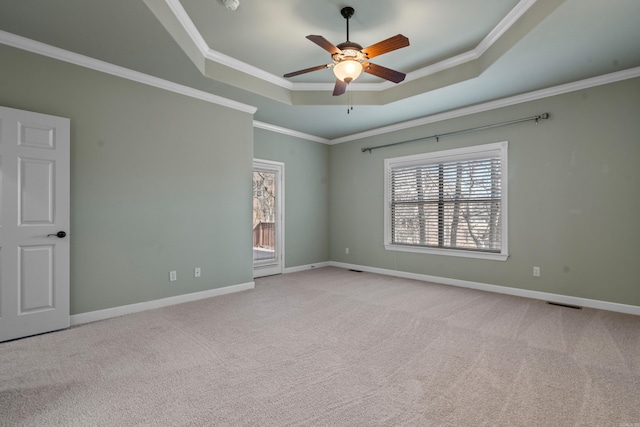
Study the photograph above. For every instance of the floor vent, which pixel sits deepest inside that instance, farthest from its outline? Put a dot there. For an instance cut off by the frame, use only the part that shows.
(355, 271)
(575, 307)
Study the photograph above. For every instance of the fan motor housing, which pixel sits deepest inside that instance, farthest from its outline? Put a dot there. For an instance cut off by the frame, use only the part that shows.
(349, 46)
(349, 51)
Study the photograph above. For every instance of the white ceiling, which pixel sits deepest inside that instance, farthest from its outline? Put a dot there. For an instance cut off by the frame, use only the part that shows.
(462, 52)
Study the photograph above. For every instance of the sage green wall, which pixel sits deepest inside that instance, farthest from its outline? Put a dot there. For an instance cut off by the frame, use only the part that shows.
(574, 196)
(306, 194)
(159, 182)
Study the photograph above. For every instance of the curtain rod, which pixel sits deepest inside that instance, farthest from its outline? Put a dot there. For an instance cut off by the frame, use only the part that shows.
(542, 116)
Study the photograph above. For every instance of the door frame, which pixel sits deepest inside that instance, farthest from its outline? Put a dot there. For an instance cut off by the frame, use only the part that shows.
(277, 267)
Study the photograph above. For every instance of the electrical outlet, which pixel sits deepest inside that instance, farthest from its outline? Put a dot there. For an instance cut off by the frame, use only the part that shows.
(346, 251)
(197, 272)
(173, 276)
(536, 271)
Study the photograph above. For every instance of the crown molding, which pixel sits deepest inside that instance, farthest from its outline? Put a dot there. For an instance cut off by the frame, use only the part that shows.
(494, 35)
(500, 103)
(507, 22)
(187, 24)
(231, 62)
(183, 18)
(289, 132)
(43, 49)
(33, 46)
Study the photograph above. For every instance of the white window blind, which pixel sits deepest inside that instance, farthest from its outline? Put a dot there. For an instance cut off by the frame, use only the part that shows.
(451, 200)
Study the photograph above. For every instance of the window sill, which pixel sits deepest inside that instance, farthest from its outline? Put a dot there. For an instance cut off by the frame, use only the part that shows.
(448, 252)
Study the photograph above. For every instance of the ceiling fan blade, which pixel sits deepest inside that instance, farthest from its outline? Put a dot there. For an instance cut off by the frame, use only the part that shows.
(392, 43)
(339, 88)
(306, 70)
(324, 43)
(384, 72)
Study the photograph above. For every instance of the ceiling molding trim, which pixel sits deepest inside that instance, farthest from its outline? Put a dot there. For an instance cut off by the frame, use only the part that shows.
(290, 132)
(243, 67)
(494, 35)
(507, 22)
(443, 65)
(187, 24)
(500, 103)
(183, 18)
(43, 49)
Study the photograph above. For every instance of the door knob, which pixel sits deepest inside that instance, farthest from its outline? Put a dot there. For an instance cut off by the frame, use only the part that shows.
(59, 234)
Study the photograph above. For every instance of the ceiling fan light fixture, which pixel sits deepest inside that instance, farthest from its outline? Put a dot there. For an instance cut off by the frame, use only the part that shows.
(347, 70)
(350, 59)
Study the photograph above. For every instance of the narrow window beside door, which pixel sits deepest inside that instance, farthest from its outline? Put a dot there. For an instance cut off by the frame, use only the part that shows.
(268, 218)
(264, 215)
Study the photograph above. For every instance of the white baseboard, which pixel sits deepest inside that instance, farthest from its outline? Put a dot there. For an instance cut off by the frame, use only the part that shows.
(545, 296)
(92, 316)
(306, 267)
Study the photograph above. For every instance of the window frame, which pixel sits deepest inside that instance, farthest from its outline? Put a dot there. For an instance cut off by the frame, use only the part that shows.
(457, 154)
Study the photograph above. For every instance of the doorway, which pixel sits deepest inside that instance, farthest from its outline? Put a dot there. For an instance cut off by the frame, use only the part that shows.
(268, 218)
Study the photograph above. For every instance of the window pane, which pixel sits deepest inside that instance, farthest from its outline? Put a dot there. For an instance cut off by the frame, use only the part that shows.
(264, 214)
(452, 204)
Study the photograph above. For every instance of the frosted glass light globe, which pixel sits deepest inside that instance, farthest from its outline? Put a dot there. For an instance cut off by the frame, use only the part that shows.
(348, 70)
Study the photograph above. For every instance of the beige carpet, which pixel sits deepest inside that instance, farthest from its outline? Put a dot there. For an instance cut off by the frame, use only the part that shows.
(331, 347)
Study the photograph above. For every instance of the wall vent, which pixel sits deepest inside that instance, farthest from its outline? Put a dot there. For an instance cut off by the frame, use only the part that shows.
(575, 307)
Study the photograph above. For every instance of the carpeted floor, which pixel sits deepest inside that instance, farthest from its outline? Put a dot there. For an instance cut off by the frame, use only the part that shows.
(331, 347)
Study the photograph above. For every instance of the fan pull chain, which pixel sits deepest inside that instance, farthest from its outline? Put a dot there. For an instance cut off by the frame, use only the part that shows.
(349, 101)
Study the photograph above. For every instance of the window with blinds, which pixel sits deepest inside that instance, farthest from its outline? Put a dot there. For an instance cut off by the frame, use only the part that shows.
(451, 202)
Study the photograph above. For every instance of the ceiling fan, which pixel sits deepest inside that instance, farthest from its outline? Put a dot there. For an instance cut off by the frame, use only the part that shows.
(350, 59)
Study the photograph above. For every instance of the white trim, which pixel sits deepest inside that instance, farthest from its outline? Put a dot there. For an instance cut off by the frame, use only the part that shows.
(493, 105)
(189, 27)
(29, 45)
(289, 132)
(196, 37)
(243, 67)
(441, 66)
(525, 293)
(33, 46)
(93, 316)
(507, 22)
(465, 111)
(187, 24)
(448, 252)
(107, 313)
(494, 35)
(306, 267)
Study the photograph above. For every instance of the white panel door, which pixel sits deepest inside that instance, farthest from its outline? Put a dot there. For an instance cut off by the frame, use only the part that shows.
(34, 223)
